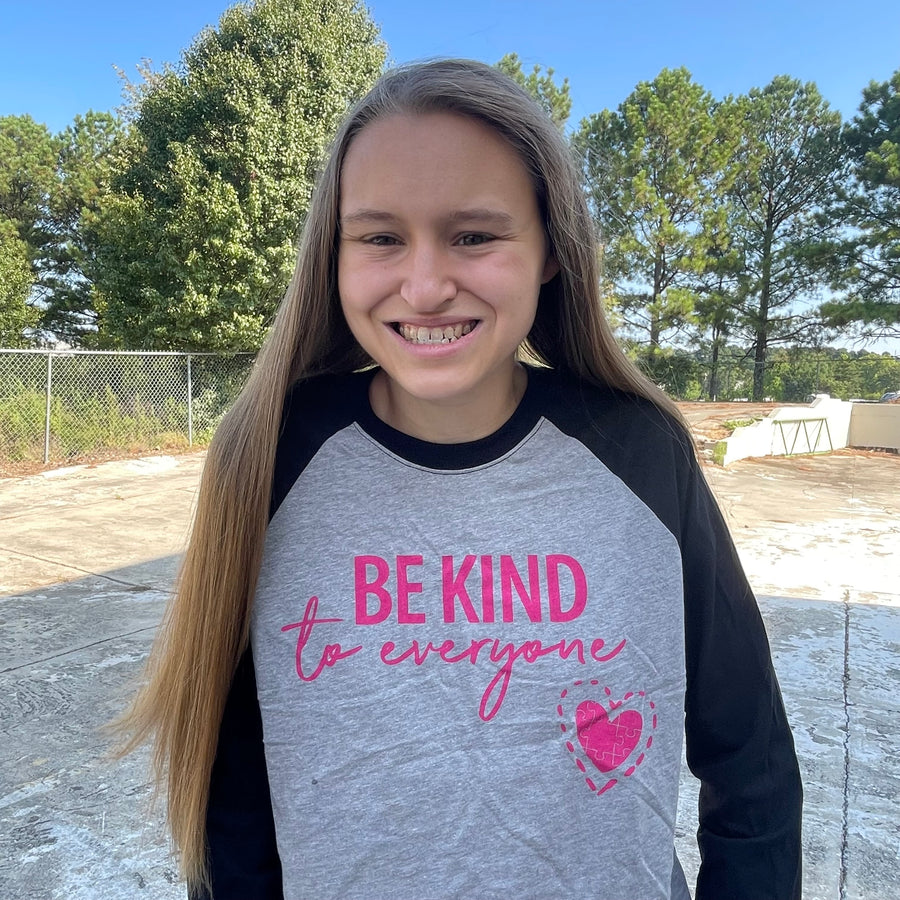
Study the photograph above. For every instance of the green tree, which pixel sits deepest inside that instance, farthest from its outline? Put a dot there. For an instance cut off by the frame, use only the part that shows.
(784, 171)
(85, 158)
(717, 300)
(654, 170)
(553, 97)
(864, 264)
(28, 158)
(796, 372)
(197, 239)
(49, 185)
(678, 373)
(16, 279)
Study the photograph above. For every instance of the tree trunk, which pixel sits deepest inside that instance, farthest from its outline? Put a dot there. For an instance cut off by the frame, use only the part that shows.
(714, 366)
(654, 332)
(655, 315)
(760, 344)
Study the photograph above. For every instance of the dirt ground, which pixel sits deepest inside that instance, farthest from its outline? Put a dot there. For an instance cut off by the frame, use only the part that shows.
(707, 420)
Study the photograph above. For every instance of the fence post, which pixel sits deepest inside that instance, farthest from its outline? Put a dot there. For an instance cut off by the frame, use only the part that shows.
(190, 404)
(47, 410)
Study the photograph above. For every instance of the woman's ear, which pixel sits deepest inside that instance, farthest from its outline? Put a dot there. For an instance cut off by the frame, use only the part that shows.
(551, 267)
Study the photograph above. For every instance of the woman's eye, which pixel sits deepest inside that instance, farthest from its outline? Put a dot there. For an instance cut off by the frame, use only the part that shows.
(474, 240)
(381, 240)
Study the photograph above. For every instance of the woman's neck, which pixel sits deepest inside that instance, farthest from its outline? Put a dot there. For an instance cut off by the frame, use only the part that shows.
(457, 420)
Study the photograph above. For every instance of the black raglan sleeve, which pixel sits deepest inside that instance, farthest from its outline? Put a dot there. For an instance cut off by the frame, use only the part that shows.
(739, 743)
(240, 830)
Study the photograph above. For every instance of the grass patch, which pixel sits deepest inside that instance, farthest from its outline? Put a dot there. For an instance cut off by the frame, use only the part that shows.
(718, 452)
(95, 424)
(731, 424)
(103, 406)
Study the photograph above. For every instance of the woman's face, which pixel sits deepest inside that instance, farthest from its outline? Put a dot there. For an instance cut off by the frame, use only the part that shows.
(441, 258)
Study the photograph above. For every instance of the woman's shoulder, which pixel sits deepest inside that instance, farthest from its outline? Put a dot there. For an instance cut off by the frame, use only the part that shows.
(324, 403)
(640, 442)
(314, 392)
(315, 409)
(608, 416)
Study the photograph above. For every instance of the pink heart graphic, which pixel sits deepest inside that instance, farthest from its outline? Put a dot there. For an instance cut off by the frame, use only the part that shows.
(607, 742)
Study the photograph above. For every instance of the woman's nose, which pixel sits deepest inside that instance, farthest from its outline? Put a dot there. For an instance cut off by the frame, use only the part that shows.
(427, 282)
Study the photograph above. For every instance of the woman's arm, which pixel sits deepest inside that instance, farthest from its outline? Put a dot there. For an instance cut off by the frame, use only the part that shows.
(739, 743)
(243, 857)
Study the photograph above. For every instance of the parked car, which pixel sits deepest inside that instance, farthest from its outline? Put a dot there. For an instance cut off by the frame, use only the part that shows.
(890, 397)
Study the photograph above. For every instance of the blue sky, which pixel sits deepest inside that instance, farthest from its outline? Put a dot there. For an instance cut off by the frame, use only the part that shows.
(57, 58)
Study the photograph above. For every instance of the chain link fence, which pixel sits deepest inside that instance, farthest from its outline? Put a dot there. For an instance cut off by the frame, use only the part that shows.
(65, 405)
(62, 405)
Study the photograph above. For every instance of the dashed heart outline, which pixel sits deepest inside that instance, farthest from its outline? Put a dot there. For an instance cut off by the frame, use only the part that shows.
(614, 706)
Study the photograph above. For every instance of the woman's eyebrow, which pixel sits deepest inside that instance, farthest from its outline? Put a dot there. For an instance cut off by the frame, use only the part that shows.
(367, 216)
(483, 215)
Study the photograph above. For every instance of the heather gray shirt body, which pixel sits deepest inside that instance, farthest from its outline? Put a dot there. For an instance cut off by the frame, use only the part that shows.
(471, 680)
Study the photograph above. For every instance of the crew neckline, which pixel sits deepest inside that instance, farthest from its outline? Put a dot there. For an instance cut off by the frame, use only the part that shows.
(463, 455)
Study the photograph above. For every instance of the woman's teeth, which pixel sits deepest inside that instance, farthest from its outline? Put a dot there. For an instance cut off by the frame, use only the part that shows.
(446, 334)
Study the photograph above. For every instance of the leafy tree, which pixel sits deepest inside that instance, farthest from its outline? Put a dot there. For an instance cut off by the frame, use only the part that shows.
(553, 97)
(28, 158)
(784, 171)
(794, 373)
(876, 373)
(196, 241)
(27, 175)
(864, 264)
(678, 373)
(85, 159)
(654, 170)
(716, 305)
(16, 280)
(47, 186)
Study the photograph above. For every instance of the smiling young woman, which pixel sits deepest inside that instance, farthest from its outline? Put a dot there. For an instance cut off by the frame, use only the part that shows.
(446, 618)
(441, 259)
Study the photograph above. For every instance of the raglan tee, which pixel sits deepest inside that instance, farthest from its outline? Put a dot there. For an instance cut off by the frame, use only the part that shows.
(472, 666)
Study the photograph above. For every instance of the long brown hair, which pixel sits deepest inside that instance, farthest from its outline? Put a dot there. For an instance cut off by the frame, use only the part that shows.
(206, 626)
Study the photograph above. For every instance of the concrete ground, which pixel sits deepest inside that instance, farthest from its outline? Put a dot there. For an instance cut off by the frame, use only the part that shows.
(87, 557)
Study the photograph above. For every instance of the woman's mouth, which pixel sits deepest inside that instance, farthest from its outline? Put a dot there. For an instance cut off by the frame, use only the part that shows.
(440, 334)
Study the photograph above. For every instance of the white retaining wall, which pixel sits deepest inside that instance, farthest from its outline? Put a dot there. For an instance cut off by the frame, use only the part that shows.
(875, 425)
(826, 424)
